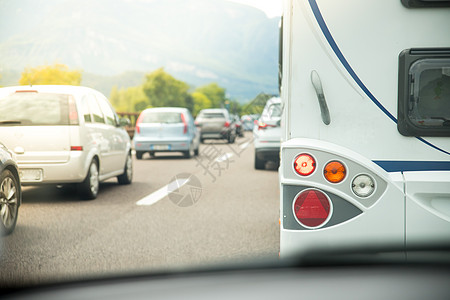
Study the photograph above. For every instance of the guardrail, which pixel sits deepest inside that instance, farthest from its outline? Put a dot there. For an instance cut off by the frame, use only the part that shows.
(132, 116)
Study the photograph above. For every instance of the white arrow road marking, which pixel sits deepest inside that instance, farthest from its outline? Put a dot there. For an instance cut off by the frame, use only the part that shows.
(162, 192)
(224, 157)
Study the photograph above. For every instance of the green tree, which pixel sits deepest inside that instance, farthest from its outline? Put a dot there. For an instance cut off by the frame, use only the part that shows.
(132, 99)
(256, 106)
(214, 93)
(164, 90)
(200, 102)
(55, 74)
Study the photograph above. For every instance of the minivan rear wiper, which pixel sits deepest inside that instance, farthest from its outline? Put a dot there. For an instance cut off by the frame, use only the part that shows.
(9, 122)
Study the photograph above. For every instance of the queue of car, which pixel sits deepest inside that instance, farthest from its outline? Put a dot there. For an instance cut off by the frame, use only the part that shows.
(267, 134)
(71, 135)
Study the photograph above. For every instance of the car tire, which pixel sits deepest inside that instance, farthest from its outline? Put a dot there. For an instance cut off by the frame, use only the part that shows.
(190, 152)
(197, 151)
(127, 175)
(139, 154)
(231, 138)
(202, 140)
(9, 202)
(88, 189)
(152, 154)
(259, 163)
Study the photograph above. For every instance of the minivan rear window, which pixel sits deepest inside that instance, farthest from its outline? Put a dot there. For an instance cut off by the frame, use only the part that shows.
(31, 108)
(162, 117)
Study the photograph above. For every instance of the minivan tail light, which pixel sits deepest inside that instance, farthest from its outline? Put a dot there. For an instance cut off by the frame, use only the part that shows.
(185, 129)
(227, 124)
(312, 208)
(76, 148)
(73, 114)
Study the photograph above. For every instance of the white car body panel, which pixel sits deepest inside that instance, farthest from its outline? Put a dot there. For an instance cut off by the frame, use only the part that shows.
(353, 47)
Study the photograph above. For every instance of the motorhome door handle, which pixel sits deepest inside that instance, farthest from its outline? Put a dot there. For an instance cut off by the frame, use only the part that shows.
(317, 83)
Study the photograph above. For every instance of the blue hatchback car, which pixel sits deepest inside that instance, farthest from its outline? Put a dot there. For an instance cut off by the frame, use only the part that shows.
(166, 129)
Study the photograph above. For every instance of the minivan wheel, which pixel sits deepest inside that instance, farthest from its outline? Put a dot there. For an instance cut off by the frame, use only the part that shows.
(9, 202)
(88, 189)
(127, 175)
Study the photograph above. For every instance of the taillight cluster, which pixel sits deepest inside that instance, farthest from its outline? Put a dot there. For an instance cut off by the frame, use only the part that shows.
(312, 207)
(262, 125)
(334, 171)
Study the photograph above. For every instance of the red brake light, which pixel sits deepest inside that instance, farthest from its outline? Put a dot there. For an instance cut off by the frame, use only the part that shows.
(73, 114)
(26, 91)
(227, 124)
(312, 208)
(76, 148)
(139, 120)
(262, 125)
(185, 124)
(304, 164)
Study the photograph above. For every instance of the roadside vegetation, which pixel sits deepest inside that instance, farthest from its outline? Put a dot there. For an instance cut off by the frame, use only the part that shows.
(158, 89)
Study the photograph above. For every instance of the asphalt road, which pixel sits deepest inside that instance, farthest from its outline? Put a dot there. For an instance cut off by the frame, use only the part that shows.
(226, 212)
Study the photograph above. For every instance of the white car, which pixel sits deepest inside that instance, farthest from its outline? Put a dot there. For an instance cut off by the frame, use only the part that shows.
(267, 135)
(65, 134)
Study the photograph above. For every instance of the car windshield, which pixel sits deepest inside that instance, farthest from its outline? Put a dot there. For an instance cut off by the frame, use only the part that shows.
(155, 137)
(162, 117)
(29, 108)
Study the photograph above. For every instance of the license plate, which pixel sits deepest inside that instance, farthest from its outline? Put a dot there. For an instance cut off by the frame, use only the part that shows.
(31, 175)
(160, 147)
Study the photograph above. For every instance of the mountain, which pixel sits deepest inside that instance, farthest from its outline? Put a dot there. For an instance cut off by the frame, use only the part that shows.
(197, 41)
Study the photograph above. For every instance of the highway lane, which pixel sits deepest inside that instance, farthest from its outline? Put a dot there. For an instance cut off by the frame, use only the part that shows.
(177, 213)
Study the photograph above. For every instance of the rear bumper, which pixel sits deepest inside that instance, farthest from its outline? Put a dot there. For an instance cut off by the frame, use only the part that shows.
(214, 135)
(162, 145)
(268, 153)
(72, 171)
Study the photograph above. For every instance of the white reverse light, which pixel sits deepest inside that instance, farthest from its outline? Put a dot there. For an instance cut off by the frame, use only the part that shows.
(363, 186)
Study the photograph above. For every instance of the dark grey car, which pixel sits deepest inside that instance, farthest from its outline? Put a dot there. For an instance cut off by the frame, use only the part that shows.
(216, 123)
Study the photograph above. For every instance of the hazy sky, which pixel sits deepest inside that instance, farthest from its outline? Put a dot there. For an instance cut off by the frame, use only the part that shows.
(272, 8)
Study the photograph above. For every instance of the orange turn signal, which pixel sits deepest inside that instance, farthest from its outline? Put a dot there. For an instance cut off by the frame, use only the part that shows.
(334, 171)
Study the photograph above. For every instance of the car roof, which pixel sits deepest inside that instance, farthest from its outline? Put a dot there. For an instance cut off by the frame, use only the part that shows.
(166, 109)
(213, 110)
(59, 89)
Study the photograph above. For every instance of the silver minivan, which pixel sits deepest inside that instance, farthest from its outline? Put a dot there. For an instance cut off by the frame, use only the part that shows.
(65, 134)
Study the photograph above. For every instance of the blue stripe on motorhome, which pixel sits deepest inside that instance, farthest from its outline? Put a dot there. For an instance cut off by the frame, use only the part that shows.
(405, 166)
(326, 32)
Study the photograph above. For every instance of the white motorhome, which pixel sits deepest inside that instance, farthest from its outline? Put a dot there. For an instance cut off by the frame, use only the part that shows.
(365, 158)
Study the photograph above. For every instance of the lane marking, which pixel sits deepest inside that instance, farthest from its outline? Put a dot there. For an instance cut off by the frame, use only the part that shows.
(162, 192)
(224, 157)
(244, 145)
